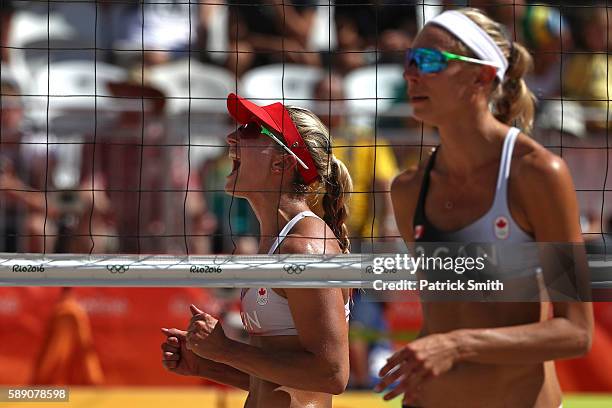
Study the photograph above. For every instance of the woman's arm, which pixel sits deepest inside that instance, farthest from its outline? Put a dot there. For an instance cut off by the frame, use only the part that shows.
(321, 365)
(17, 191)
(552, 211)
(222, 373)
(297, 24)
(567, 335)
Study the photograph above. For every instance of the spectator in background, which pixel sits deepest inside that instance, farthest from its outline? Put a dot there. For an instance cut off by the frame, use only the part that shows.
(506, 12)
(267, 31)
(167, 27)
(546, 35)
(88, 224)
(6, 14)
(355, 147)
(68, 355)
(561, 127)
(586, 75)
(25, 165)
(370, 32)
(559, 119)
(235, 233)
(369, 345)
(595, 241)
(35, 218)
(198, 221)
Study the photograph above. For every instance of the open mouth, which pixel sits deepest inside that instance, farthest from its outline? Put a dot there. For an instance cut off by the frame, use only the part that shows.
(235, 165)
(235, 161)
(418, 98)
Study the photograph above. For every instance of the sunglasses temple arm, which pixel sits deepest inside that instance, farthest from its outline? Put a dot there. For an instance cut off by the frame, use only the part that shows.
(287, 149)
(474, 61)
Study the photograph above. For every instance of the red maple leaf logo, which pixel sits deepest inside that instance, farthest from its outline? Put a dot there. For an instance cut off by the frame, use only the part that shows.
(501, 223)
(262, 291)
(418, 231)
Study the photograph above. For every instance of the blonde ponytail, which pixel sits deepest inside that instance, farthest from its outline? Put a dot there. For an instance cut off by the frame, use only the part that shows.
(513, 102)
(516, 103)
(337, 184)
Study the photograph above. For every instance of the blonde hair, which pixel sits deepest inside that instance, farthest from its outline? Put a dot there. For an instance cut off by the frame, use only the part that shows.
(335, 181)
(512, 100)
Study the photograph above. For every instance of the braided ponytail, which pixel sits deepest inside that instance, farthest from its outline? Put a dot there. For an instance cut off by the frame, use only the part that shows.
(337, 184)
(335, 181)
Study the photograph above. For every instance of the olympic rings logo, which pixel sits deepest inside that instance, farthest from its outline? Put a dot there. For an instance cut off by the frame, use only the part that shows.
(293, 269)
(117, 268)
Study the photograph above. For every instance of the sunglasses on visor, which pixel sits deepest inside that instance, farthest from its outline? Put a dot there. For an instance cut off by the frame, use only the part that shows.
(431, 61)
(252, 130)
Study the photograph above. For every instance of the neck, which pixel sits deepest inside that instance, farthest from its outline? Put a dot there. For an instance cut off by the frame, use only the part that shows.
(469, 142)
(274, 211)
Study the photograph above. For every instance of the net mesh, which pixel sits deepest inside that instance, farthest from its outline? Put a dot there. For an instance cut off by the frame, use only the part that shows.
(114, 117)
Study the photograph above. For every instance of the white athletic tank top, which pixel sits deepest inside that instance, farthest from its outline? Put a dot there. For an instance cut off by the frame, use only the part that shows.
(510, 246)
(263, 311)
(496, 225)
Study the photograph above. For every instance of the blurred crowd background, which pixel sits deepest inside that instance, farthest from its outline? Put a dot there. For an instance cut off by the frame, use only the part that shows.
(113, 126)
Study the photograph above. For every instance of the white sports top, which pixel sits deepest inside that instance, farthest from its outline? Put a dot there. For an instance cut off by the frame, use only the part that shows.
(509, 243)
(263, 311)
(497, 225)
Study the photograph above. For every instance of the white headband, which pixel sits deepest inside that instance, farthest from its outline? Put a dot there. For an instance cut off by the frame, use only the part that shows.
(477, 40)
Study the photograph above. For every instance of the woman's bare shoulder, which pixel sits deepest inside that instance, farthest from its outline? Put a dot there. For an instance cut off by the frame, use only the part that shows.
(310, 236)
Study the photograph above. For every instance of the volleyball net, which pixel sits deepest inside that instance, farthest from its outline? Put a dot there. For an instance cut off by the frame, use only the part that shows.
(113, 205)
(114, 119)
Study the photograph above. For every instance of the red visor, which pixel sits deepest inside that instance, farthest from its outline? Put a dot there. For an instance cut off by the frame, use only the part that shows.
(276, 118)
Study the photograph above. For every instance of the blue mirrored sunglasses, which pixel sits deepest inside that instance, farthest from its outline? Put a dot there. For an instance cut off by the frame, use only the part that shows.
(431, 61)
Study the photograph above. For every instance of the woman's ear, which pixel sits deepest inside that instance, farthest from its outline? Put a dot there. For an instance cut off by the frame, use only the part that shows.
(486, 76)
(282, 162)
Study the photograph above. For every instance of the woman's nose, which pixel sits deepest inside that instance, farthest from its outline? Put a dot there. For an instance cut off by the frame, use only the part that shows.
(411, 71)
(232, 138)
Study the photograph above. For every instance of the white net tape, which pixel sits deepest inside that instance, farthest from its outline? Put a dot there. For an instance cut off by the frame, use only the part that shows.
(167, 271)
(207, 271)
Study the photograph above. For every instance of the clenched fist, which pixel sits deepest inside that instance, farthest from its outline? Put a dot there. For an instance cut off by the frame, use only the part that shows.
(205, 337)
(175, 355)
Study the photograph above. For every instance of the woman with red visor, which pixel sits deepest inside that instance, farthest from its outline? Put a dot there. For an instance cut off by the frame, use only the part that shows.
(487, 182)
(298, 350)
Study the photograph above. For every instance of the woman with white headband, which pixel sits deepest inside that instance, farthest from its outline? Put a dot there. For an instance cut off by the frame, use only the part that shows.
(487, 182)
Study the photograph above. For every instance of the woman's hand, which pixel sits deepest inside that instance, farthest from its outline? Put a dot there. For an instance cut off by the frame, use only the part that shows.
(205, 337)
(175, 355)
(416, 363)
